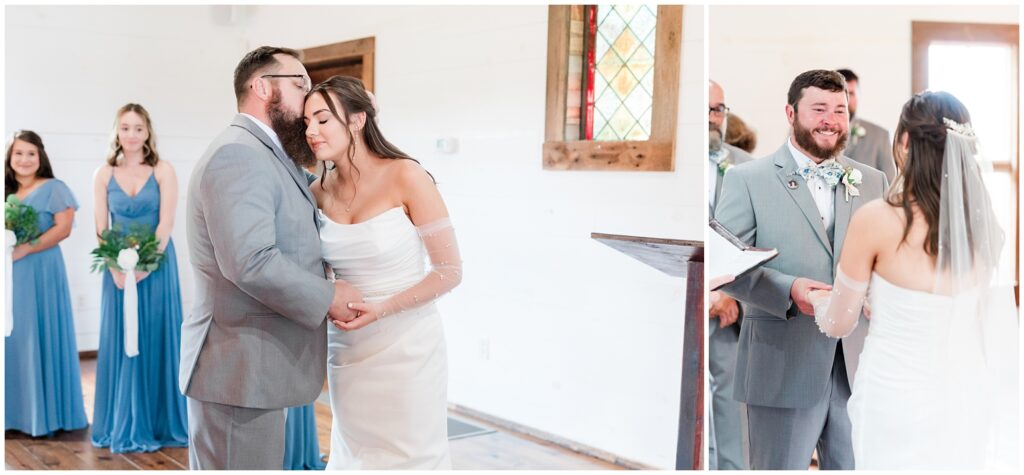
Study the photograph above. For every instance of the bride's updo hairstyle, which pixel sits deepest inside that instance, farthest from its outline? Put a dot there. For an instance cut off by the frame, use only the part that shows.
(351, 95)
(920, 179)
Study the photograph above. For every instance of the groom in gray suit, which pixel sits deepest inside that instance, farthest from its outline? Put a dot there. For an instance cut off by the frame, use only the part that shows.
(798, 200)
(255, 342)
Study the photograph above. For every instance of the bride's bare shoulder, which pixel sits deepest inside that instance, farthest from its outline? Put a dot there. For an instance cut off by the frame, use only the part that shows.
(879, 216)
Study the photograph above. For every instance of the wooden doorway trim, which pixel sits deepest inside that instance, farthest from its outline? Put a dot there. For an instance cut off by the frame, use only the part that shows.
(923, 33)
(353, 52)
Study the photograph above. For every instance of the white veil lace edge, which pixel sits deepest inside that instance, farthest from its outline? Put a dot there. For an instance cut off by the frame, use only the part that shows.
(984, 329)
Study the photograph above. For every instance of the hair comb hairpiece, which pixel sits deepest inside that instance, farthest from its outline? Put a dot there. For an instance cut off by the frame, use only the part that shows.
(962, 129)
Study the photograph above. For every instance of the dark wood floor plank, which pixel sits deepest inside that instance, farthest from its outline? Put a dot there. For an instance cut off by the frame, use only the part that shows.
(53, 454)
(19, 458)
(98, 459)
(178, 454)
(153, 461)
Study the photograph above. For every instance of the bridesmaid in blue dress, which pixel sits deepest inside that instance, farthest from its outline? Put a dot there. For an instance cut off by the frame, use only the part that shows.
(301, 447)
(43, 388)
(138, 405)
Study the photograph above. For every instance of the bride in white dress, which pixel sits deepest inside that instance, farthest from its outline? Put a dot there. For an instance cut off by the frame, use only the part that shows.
(382, 216)
(936, 387)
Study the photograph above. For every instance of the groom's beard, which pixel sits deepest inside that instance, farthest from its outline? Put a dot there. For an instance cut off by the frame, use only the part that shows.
(291, 132)
(805, 140)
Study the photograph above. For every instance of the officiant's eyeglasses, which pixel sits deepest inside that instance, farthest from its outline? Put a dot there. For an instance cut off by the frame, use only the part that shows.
(720, 110)
(306, 86)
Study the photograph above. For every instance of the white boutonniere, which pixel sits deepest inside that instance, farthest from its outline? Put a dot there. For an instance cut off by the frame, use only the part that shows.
(858, 130)
(851, 179)
(724, 165)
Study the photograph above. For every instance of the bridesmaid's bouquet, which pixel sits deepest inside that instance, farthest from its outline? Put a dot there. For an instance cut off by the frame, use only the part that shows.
(21, 219)
(136, 249)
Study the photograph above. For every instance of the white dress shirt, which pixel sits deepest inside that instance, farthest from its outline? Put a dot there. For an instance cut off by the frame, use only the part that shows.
(824, 196)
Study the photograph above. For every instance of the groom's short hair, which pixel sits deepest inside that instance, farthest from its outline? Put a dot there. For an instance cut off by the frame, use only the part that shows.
(255, 61)
(819, 78)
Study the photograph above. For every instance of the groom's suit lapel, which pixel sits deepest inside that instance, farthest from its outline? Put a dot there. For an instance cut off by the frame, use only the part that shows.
(786, 173)
(843, 209)
(297, 175)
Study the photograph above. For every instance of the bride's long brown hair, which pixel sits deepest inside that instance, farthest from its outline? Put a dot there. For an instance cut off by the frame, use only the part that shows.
(921, 168)
(352, 97)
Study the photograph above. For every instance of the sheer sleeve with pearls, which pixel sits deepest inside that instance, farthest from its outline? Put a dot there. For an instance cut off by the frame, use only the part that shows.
(445, 269)
(837, 315)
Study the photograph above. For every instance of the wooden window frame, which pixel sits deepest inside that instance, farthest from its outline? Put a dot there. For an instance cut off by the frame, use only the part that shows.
(362, 49)
(924, 33)
(654, 154)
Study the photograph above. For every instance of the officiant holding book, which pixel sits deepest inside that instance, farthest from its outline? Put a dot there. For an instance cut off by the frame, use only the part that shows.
(727, 439)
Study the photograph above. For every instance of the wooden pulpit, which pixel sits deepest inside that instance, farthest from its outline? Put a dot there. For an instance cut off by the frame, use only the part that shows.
(683, 259)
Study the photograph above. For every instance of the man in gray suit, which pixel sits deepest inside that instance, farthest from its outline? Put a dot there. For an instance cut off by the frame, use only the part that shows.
(792, 377)
(255, 342)
(727, 438)
(869, 143)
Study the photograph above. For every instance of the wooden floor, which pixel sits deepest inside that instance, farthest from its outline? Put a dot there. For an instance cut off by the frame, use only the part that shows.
(73, 451)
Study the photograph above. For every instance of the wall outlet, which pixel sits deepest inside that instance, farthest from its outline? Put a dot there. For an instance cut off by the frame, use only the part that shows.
(447, 145)
(485, 349)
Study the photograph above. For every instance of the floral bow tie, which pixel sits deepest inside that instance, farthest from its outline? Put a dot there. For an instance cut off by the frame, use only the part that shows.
(828, 170)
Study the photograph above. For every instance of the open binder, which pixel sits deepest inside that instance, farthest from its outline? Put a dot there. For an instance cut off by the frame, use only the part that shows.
(728, 255)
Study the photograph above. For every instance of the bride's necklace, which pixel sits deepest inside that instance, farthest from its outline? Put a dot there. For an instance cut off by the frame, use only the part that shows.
(348, 206)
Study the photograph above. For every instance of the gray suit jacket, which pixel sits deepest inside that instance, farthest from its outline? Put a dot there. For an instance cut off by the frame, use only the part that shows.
(257, 335)
(782, 359)
(874, 149)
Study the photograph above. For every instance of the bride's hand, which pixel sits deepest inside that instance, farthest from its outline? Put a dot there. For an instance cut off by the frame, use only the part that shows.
(367, 314)
(816, 297)
(800, 293)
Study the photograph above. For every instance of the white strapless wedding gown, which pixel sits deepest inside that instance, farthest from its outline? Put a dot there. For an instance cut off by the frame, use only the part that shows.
(919, 399)
(388, 381)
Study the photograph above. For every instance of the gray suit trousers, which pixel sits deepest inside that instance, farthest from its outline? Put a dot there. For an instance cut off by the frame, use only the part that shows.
(234, 438)
(727, 439)
(784, 439)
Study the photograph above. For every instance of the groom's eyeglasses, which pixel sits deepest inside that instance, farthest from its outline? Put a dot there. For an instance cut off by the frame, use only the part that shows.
(306, 86)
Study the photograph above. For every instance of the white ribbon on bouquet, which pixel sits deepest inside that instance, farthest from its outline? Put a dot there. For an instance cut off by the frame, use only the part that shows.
(127, 259)
(10, 242)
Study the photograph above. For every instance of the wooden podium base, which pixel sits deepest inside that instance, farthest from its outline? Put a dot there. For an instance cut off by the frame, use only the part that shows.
(683, 259)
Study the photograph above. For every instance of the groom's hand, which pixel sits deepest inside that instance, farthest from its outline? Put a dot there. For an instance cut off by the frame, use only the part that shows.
(801, 287)
(344, 293)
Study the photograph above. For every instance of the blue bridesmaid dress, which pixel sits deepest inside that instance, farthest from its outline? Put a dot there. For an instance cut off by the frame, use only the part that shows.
(43, 388)
(138, 405)
(301, 447)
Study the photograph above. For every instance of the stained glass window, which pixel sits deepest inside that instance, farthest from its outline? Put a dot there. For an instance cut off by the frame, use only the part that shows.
(623, 71)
